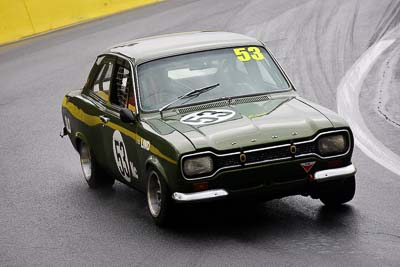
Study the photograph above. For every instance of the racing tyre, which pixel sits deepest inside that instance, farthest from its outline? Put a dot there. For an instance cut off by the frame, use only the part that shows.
(159, 201)
(92, 172)
(342, 193)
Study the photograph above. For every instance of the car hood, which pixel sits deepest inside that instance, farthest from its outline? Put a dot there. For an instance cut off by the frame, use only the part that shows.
(249, 124)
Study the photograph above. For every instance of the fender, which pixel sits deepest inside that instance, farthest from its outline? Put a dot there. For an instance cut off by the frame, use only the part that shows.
(79, 136)
(154, 162)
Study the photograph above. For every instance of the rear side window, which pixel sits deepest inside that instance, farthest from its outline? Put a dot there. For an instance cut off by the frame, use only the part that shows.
(102, 82)
(122, 87)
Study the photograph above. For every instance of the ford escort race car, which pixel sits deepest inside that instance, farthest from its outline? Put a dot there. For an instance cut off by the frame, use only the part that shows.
(203, 116)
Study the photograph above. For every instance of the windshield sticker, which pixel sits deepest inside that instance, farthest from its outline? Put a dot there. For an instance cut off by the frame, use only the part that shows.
(248, 53)
(208, 117)
(125, 167)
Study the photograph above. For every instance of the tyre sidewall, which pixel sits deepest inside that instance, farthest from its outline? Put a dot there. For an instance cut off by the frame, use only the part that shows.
(341, 192)
(99, 176)
(164, 215)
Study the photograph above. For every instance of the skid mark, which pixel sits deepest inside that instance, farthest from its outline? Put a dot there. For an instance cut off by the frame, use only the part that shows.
(348, 94)
(387, 89)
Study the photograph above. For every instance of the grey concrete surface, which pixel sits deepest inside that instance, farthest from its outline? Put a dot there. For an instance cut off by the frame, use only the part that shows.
(48, 216)
(380, 100)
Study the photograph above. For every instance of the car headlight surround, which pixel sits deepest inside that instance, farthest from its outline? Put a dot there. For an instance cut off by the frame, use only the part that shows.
(197, 166)
(334, 144)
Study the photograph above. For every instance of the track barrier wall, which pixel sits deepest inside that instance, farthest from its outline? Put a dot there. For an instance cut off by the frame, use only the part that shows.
(23, 18)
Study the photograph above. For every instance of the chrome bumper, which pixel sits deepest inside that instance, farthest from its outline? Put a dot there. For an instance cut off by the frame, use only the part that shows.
(319, 176)
(203, 195)
(337, 173)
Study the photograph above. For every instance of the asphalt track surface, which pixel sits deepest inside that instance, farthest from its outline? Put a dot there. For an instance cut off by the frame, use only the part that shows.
(49, 217)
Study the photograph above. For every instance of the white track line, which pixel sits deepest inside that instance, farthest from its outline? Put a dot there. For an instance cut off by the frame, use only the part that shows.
(348, 94)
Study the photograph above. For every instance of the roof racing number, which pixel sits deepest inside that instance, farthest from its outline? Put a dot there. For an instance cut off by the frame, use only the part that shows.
(248, 53)
(207, 117)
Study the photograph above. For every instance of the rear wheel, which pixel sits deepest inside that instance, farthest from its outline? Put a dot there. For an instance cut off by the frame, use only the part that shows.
(92, 172)
(159, 200)
(339, 193)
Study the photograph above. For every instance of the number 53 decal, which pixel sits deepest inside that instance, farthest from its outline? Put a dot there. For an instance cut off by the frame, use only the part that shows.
(125, 167)
(248, 53)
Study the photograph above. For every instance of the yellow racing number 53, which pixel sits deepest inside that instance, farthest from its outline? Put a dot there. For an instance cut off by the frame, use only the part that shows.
(248, 53)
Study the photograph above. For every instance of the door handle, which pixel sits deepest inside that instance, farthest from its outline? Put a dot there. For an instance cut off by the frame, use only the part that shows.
(104, 119)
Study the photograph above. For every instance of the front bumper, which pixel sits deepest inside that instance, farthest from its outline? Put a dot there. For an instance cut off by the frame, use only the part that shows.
(319, 176)
(198, 196)
(336, 173)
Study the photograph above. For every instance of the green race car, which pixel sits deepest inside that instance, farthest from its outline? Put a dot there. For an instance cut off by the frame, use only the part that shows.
(203, 116)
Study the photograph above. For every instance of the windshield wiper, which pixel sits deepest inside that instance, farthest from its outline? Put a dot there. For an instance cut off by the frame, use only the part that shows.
(192, 93)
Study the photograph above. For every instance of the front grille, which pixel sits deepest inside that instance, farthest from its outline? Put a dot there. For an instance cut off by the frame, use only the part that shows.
(268, 154)
(264, 155)
(226, 161)
(307, 148)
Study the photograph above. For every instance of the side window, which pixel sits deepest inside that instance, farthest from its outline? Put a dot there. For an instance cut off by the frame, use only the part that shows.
(122, 89)
(102, 83)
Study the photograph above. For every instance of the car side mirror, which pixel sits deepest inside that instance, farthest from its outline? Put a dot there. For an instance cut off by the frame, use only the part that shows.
(127, 116)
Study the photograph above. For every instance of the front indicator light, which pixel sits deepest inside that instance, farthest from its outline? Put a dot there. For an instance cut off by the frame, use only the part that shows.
(200, 186)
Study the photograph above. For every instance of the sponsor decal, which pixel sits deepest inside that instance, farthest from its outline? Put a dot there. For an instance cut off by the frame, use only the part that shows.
(307, 166)
(208, 117)
(145, 144)
(67, 124)
(125, 167)
(134, 171)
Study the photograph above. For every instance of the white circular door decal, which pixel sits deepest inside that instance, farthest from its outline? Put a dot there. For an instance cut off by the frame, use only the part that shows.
(125, 167)
(208, 116)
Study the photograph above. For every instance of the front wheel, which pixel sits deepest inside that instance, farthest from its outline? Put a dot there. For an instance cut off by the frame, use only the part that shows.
(92, 172)
(159, 200)
(339, 193)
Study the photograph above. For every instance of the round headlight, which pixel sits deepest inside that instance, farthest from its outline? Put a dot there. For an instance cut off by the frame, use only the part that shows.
(333, 144)
(197, 166)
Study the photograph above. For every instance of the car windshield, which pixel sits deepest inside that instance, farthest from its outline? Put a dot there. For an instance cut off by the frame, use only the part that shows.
(238, 72)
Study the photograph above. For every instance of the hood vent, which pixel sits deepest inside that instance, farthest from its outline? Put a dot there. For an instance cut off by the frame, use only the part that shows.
(242, 100)
(224, 103)
(218, 104)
